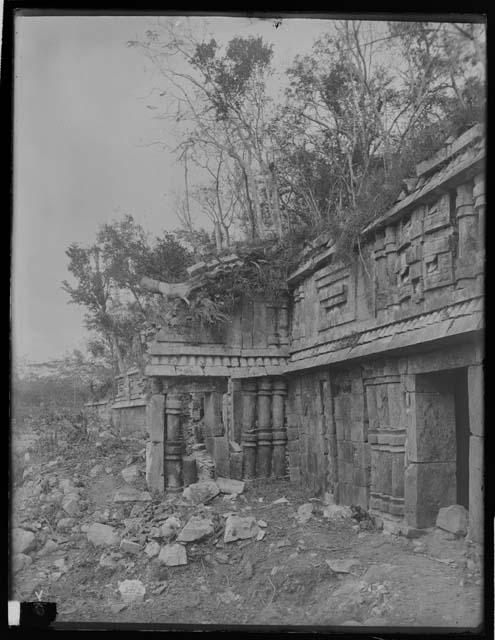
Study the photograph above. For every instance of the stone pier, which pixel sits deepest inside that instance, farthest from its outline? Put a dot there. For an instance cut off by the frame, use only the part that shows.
(264, 428)
(249, 428)
(155, 446)
(173, 444)
(279, 431)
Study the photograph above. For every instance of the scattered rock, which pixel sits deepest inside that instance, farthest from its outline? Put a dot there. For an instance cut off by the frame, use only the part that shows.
(343, 566)
(239, 528)
(203, 491)
(108, 470)
(132, 591)
(128, 546)
(98, 468)
(116, 608)
(130, 474)
(453, 519)
(248, 569)
(336, 512)
(304, 512)
(20, 560)
(261, 535)
(230, 486)
(102, 535)
(281, 501)
(196, 529)
(22, 540)
(261, 523)
(223, 558)
(60, 564)
(170, 527)
(65, 524)
(173, 555)
(412, 533)
(49, 547)
(108, 561)
(160, 588)
(152, 549)
(70, 504)
(129, 494)
(67, 486)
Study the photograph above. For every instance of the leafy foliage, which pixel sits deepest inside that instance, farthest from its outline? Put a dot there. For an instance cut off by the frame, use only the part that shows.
(107, 275)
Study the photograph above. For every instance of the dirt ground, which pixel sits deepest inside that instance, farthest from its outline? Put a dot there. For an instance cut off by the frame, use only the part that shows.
(283, 579)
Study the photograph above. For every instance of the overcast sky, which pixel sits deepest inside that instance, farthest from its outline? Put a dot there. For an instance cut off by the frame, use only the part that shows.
(81, 125)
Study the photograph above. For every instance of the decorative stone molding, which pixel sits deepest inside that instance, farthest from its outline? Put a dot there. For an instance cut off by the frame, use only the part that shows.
(173, 444)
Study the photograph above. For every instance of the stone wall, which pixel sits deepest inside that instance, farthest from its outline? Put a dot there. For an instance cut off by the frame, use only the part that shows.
(382, 434)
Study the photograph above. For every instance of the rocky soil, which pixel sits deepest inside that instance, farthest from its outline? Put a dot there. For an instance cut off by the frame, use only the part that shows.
(88, 535)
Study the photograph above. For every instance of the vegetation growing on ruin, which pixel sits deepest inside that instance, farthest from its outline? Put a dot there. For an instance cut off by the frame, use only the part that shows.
(273, 166)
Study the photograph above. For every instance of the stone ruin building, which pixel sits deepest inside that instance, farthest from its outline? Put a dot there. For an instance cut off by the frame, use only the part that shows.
(366, 381)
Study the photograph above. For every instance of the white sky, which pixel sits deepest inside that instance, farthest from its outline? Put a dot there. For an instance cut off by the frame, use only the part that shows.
(80, 127)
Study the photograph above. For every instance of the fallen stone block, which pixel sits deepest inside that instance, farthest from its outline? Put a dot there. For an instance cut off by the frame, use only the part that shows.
(454, 519)
(196, 529)
(240, 528)
(281, 501)
(128, 546)
(102, 535)
(70, 505)
(152, 549)
(20, 560)
(130, 474)
(170, 527)
(234, 447)
(336, 512)
(132, 591)
(64, 524)
(230, 486)
(201, 492)
(173, 555)
(304, 512)
(22, 540)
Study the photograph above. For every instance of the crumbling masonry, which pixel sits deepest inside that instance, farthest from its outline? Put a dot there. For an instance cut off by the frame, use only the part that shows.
(368, 379)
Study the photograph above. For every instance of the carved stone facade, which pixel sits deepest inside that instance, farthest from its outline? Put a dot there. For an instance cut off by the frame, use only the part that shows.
(368, 379)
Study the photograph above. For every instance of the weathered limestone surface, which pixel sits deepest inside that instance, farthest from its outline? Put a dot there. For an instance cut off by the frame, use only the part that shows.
(361, 418)
(428, 487)
(476, 489)
(453, 519)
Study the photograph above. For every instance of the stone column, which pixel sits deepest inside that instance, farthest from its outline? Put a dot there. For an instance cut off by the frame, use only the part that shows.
(479, 205)
(283, 324)
(248, 428)
(264, 428)
(173, 444)
(476, 429)
(391, 253)
(155, 416)
(279, 430)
